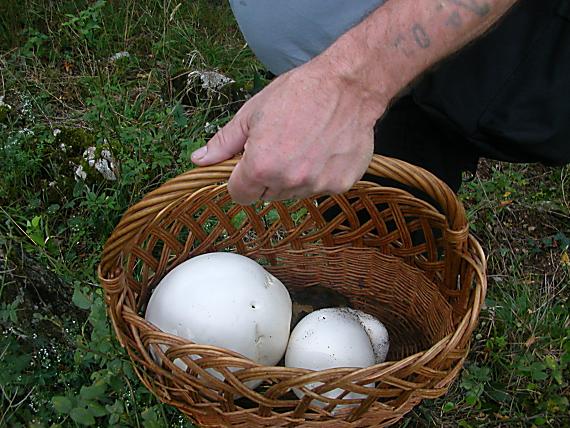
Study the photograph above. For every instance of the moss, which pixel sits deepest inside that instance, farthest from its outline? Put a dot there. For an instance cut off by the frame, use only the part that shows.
(75, 140)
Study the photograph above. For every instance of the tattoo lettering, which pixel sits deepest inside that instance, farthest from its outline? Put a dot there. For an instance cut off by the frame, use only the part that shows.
(475, 6)
(454, 20)
(420, 36)
(257, 116)
(400, 43)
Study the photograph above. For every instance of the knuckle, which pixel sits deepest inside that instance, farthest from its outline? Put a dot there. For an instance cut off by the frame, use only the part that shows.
(221, 137)
(294, 181)
(260, 171)
(340, 186)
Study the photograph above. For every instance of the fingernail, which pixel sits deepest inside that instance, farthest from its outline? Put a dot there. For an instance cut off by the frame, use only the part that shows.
(200, 153)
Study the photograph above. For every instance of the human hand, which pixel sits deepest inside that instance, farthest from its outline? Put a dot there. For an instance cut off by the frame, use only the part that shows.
(308, 132)
(311, 130)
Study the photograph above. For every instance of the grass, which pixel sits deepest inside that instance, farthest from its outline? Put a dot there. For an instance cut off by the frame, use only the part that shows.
(65, 85)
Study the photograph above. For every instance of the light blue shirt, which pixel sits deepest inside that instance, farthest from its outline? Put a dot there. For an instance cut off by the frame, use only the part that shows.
(286, 33)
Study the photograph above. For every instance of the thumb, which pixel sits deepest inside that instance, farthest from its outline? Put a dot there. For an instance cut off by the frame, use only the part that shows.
(227, 142)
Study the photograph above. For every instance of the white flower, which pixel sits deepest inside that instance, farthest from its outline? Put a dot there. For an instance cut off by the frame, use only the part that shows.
(3, 104)
(26, 106)
(210, 127)
(119, 55)
(26, 132)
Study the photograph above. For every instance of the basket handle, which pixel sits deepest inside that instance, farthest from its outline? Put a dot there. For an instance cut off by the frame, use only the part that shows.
(421, 179)
(183, 185)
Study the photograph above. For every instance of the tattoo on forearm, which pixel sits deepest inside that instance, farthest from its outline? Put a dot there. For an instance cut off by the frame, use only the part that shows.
(406, 45)
(454, 20)
(422, 39)
(400, 43)
(420, 36)
(479, 8)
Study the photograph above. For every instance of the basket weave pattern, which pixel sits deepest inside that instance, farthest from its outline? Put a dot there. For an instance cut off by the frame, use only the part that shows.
(391, 254)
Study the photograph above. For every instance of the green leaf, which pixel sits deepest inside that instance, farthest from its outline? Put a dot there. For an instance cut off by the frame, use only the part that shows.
(21, 362)
(114, 419)
(179, 116)
(498, 395)
(80, 300)
(150, 418)
(36, 221)
(299, 215)
(539, 375)
(448, 407)
(239, 219)
(97, 410)
(62, 404)
(539, 421)
(551, 362)
(557, 376)
(116, 408)
(537, 371)
(116, 383)
(272, 216)
(471, 400)
(82, 416)
(93, 392)
(149, 414)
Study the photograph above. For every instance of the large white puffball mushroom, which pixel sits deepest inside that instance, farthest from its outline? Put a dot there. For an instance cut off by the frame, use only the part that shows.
(377, 334)
(226, 300)
(328, 338)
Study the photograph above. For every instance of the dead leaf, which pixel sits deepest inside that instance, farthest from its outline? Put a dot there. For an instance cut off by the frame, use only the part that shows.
(565, 259)
(530, 341)
(67, 66)
(501, 417)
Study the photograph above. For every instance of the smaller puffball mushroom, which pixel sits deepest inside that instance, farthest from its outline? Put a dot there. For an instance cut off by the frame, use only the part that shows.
(226, 300)
(376, 332)
(329, 338)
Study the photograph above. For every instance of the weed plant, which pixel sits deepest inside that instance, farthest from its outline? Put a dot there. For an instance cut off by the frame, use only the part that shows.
(115, 77)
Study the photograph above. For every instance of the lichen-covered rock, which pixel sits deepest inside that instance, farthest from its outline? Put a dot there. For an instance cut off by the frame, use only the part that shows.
(78, 148)
(99, 159)
(75, 156)
(207, 88)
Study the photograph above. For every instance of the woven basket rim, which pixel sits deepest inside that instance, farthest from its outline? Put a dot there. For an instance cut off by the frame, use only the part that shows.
(190, 183)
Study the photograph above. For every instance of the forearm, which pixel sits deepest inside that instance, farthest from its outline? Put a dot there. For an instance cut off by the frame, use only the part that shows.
(403, 38)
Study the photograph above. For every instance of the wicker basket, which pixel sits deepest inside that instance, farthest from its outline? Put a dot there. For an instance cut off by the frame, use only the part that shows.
(389, 253)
